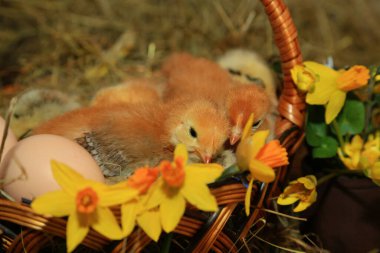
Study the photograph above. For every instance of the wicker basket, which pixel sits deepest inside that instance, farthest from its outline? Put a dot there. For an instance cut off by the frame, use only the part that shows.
(204, 233)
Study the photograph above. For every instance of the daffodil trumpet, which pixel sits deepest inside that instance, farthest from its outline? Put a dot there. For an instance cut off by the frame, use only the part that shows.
(258, 157)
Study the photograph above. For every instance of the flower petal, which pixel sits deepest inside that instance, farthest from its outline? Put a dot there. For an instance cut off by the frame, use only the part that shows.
(114, 196)
(261, 171)
(205, 173)
(181, 151)
(247, 202)
(286, 200)
(75, 232)
(324, 86)
(66, 177)
(248, 127)
(171, 212)
(309, 182)
(56, 203)
(149, 221)
(199, 195)
(128, 217)
(106, 224)
(334, 106)
(249, 147)
(301, 206)
(154, 197)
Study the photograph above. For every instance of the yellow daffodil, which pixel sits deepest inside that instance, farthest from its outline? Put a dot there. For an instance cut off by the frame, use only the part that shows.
(258, 157)
(328, 87)
(86, 203)
(359, 156)
(181, 182)
(303, 189)
(135, 210)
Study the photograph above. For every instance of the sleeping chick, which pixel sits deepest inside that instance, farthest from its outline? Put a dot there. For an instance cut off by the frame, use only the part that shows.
(122, 138)
(190, 76)
(36, 106)
(248, 67)
(133, 91)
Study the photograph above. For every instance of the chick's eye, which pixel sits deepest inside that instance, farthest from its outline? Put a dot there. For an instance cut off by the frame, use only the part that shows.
(193, 133)
(256, 124)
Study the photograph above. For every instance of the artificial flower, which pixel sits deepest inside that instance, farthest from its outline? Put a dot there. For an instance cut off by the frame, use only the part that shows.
(302, 189)
(356, 155)
(329, 87)
(258, 157)
(86, 203)
(181, 182)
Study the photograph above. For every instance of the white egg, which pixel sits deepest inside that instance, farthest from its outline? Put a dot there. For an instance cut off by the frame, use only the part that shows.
(11, 138)
(26, 170)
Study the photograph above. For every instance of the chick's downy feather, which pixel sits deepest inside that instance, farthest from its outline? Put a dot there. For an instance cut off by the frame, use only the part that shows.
(190, 76)
(196, 77)
(122, 138)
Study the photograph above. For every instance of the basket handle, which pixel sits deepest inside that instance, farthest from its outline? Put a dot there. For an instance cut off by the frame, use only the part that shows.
(291, 104)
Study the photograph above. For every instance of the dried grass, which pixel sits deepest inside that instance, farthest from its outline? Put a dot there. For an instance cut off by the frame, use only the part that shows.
(79, 46)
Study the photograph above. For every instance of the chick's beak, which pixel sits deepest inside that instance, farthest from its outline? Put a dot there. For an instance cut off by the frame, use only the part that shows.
(234, 138)
(236, 130)
(206, 159)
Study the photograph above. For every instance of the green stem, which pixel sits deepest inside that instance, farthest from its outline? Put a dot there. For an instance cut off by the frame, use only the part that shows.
(166, 243)
(336, 173)
(338, 134)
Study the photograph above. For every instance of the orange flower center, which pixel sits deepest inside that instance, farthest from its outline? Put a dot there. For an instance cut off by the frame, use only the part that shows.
(273, 154)
(355, 77)
(143, 178)
(87, 200)
(173, 173)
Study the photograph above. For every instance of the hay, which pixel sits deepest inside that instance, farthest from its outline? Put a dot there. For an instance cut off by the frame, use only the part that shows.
(79, 46)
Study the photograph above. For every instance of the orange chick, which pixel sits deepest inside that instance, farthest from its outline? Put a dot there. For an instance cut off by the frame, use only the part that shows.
(196, 77)
(134, 91)
(122, 138)
(242, 101)
(189, 76)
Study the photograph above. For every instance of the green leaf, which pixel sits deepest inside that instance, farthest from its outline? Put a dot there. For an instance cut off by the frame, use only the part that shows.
(351, 119)
(327, 149)
(230, 171)
(316, 127)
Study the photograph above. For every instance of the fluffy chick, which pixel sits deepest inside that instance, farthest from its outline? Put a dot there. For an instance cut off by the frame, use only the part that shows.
(195, 77)
(248, 67)
(242, 101)
(190, 76)
(134, 91)
(122, 138)
(36, 106)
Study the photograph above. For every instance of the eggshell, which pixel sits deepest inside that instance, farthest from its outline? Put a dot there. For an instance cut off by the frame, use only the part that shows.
(26, 170)
(11, 138)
